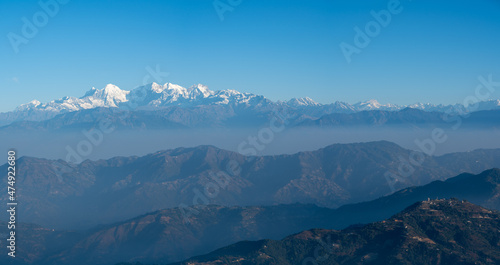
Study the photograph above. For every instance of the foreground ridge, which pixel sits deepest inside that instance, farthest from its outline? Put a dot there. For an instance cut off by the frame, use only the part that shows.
(446, 231)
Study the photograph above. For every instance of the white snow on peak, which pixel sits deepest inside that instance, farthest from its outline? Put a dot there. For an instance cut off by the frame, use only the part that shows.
(175, 89)
(300, 102)
(109, 96)
(373, 104)
(34, 103)
(369, 104)
(154, 96)
(200, 90)
(157, 88)
(229, 92)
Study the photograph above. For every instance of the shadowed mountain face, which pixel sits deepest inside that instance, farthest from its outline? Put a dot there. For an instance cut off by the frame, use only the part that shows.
(34, 243)
(61, 195)
(429, 232)
(164, 236)
(482, 189)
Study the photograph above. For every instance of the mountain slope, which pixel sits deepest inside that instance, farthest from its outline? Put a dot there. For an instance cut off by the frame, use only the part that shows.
(428, 232)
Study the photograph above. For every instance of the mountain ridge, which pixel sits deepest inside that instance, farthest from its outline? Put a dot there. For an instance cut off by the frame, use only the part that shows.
(155, 96)
(447, 231)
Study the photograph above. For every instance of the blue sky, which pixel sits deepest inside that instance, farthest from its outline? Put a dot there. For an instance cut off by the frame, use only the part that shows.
(432, 51)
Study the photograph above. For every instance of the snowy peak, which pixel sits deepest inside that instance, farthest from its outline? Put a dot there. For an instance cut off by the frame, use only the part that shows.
(302, 102)
(109, 96)
(110, 90)
(153, 96)
(157, 88)
(175, 89)
(90, 93)
(368, 105)
(35, 102)
(156, 96)
(373, 104)
(167, 89)
(31, 105)
(228, 93)
(199, 90)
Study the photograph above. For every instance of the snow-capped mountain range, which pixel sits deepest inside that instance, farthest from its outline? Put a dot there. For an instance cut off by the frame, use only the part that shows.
(147, 97)
(155, 96)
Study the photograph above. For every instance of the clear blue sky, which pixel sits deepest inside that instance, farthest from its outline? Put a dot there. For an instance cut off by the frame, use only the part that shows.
(433, 51)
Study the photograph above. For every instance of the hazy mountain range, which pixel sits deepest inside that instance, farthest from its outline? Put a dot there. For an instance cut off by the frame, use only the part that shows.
(174, 118)
(59, 194)
(163, 236)
(199, 99)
